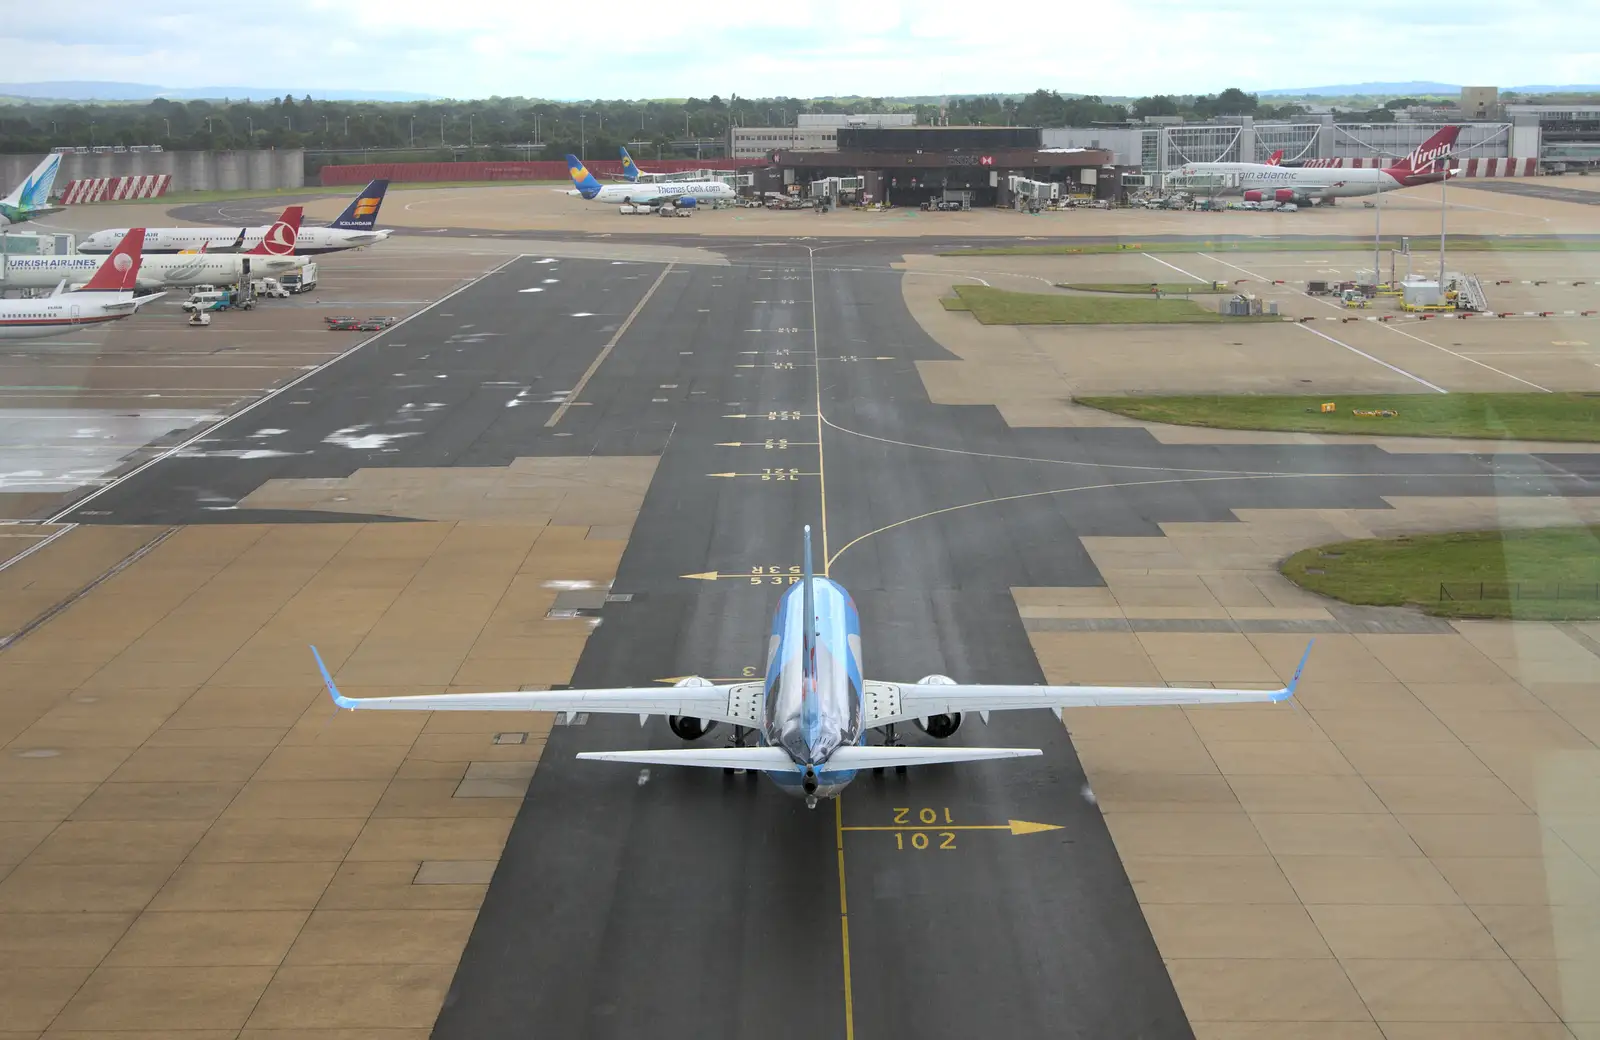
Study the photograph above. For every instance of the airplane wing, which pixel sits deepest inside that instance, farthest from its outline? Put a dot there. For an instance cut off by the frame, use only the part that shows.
(775, 759)
(738, 704)
(890, 703)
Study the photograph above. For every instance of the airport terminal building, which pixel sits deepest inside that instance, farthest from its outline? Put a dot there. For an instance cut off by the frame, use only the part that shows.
(910, 165)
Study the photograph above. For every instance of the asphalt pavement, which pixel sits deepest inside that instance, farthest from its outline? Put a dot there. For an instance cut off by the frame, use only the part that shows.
(696, 904)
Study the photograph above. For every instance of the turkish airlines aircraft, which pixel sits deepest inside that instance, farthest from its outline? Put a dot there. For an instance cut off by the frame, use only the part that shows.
(353, 229)
(1304, 185)
(272, 256)
(108, 296)
(807, 725)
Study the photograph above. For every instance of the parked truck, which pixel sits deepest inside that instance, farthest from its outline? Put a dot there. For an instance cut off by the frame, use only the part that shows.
(303, 280)
(269, 287)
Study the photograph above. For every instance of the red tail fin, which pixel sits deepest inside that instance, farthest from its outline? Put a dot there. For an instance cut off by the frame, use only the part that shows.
(1429, 152)
(280, 237)
(1277, 157)
(120, 271)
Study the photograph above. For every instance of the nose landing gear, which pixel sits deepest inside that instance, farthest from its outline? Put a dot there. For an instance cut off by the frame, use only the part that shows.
(809, 785)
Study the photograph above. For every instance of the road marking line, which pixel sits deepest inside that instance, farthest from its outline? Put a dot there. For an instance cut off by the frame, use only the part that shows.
(30, 550)
(844, 921)
(1463, 357)
(822, 483)
(1369, 357)
(258, 402)
(1176, 268)
(606, 350)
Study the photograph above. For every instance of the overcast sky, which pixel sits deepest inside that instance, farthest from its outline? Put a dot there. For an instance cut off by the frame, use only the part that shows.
(538, 48)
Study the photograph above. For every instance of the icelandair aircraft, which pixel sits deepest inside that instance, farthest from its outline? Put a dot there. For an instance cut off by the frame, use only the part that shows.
(354, 228)
(812, 715)
(32, 198)
(108, 296)
(666, 193)
(1304, 185)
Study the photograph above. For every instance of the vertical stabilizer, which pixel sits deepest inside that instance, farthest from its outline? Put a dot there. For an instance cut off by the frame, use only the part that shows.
(629, 170)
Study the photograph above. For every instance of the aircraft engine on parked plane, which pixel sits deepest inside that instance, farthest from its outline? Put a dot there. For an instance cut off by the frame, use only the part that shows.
(687, 727)
(939, 727)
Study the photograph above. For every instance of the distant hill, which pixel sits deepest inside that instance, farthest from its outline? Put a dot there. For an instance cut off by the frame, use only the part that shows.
(1400, 89)
(97, 90)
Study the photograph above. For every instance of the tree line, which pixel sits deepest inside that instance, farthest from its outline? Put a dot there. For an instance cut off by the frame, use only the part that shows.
(521, 127)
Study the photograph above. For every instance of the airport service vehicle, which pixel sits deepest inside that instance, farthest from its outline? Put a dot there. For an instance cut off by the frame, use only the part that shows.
(31, 198)
(218, 300)
(269, 287)
(682, 194)
(1303, 186)
(345, 324)
(813, 713)
(352, 229)
(108, 296)
(303, 280)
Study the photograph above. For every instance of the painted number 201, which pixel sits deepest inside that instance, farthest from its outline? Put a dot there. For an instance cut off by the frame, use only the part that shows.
(926, 816)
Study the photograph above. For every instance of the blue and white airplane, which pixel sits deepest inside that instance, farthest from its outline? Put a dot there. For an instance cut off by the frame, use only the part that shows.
(630, 172)
(683, 194)
(31, 199)
(812, 715)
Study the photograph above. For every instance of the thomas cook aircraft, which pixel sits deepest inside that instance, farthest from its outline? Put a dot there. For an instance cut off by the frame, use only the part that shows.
(812, 715)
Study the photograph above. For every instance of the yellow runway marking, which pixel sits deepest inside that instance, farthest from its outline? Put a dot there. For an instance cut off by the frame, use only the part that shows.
(1014, 826)
(844, 916)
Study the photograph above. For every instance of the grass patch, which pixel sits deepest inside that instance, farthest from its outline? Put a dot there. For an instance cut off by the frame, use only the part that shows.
(998, 307)
(1534, 417)
(1550, 573)
(1148, 288)
(1292, 244)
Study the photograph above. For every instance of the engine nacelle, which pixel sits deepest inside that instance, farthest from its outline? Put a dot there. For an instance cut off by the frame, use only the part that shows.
(687, 202)
(687, 727)
(1252, 196)
(939, 727)
(1284, 195)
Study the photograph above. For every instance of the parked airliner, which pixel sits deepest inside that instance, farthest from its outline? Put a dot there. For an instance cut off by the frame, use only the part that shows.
(1261, 182)
(664, 193)
(354, 228)
(812, 715)
(272, 256)
(108, 296)
(31, 198)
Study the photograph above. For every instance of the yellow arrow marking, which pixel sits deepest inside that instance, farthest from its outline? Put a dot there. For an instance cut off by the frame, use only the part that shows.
(702, 576)
(763, 444)
(767, 476)
(1014, 826)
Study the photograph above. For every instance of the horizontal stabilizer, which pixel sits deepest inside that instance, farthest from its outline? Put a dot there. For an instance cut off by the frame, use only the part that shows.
(861, 756)
(765, 758)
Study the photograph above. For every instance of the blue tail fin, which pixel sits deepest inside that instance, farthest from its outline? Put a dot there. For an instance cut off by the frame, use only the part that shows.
(362, 214)
(808, 606)
(588, 187)
(629, 170)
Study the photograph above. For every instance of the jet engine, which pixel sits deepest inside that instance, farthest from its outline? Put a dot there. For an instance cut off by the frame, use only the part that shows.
(687, 202)
(1284, 194)
(939, 727)
(687, 727)
(1252, 196)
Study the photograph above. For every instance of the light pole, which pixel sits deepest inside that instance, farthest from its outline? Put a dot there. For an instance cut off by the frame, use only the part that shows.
(346, 126)
(1445, 159)
(1377, 238)
(582, 138)
(470, 118)
(413, 131)
(91, 133)
(166, 121)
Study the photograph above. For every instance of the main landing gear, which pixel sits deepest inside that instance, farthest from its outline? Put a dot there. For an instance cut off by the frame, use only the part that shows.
(737, 740)
(889, 740)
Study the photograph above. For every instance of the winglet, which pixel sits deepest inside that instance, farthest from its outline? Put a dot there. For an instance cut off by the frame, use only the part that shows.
(339, 699)
(1294, 681)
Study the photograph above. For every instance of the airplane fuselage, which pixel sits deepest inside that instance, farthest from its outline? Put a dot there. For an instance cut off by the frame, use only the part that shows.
(52, 316)
(1314, 183)
(649, 194)
(186, 269)
(310, 240)
(811, 716)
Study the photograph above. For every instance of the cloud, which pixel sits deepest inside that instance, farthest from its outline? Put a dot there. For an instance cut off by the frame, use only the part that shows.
(477, 48)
